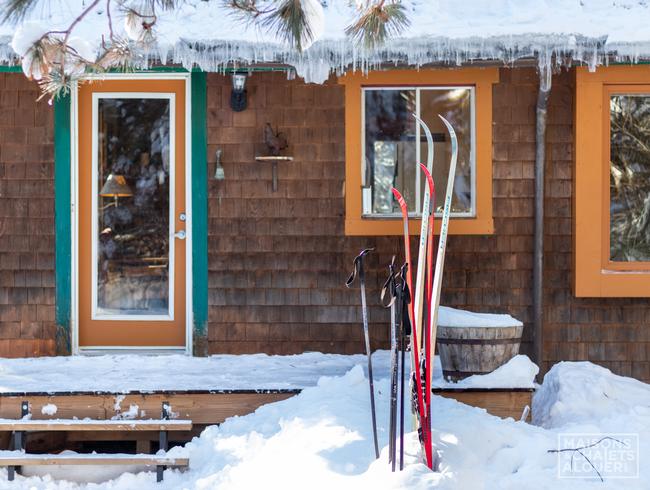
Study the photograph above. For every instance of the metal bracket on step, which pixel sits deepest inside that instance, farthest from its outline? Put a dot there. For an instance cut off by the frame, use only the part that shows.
(163, 439)
(19, 442)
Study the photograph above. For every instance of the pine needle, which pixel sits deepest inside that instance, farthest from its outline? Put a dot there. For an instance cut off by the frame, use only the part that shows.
(378, 22)
(290, 21)
(16, 10)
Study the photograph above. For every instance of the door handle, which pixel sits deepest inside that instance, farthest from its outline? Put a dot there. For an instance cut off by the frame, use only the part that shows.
(180, 235)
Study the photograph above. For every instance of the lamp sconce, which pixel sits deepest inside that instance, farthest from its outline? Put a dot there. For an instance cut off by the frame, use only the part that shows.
(219, 173)
(238, 99)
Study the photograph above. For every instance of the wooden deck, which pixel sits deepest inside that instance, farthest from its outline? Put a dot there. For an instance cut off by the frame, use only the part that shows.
(502, 402)
(203, 408)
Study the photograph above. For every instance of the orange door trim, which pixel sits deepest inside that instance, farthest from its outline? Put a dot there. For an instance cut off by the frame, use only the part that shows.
(127, 333)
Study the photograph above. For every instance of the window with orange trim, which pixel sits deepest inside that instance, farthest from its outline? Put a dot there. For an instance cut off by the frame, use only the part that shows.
(612, 182)
(384, 145)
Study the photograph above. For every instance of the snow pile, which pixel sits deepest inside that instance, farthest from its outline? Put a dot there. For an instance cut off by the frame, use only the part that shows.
(452, 317)
(321, 439)
(518, 372)
(582, 392)
(207, 34)
(49, 409)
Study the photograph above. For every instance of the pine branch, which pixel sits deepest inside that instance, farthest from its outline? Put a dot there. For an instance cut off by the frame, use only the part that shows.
(290, 21)
(377, 22)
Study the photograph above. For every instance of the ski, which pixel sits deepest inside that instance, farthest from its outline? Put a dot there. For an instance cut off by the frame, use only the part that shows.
(358, 270)
(442, 246)
(420, 408)
(424, 233)
(427, 359)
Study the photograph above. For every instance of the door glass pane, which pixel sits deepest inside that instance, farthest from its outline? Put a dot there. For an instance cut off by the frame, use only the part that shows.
(629, 181)
(389, 148)
(455, 105)
(133, 207)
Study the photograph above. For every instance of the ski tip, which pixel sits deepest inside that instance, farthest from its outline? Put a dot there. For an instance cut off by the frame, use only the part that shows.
(397, 194)
(450, 128)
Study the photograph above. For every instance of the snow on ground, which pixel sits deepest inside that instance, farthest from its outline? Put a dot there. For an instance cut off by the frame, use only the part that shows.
(207, 33)
(132, 373)
(321, 439)
(518, 372)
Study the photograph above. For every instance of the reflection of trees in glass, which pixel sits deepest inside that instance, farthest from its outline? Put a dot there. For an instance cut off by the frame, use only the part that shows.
(133, 241)
(389, 122)
(630, 178)
(455, 105)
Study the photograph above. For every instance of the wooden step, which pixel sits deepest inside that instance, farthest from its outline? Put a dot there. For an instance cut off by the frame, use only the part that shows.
(95, 425)
(91, 459)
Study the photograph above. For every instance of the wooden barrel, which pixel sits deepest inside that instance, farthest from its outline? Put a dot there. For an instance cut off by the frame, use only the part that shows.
(476, 350)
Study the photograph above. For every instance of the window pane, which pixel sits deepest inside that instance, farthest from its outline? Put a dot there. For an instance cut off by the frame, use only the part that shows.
(133, 207)
(455, 105)
(630, 178)
(389, 148)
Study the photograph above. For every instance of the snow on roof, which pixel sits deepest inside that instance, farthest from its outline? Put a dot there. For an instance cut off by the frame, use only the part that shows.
(206, 34)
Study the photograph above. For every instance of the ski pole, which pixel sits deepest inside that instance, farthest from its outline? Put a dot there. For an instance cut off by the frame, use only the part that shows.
(405, 330)
(359, 271)
(389, 288)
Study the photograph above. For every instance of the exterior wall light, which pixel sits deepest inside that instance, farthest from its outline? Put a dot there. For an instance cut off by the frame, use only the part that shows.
(238, 100)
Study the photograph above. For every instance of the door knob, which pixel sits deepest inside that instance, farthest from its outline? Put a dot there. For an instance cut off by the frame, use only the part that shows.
(180, 235)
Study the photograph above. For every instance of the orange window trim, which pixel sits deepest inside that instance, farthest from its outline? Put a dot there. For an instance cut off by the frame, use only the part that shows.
(595, 275)
(482, 79)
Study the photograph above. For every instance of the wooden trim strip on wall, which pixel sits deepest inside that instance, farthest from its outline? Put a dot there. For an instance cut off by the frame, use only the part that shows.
(199, 147)
(62, 222)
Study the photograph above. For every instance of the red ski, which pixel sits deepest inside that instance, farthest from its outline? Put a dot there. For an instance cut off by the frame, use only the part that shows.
(424, 425)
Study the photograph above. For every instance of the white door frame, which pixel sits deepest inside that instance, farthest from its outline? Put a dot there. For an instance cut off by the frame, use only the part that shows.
(74, 199)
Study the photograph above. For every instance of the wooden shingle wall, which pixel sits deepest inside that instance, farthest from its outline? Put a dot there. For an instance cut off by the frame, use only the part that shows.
(27, 325)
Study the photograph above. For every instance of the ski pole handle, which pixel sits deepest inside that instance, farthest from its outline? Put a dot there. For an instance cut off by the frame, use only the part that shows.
(357, 267)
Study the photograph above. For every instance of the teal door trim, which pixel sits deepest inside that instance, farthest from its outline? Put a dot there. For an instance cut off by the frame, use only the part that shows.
(62, 222)
(199, 142)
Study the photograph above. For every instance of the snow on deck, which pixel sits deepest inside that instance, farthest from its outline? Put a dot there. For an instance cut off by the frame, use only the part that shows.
(141, 373)
(206, 33)
(250, 372)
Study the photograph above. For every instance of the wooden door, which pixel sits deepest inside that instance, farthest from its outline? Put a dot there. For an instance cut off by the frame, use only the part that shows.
(131, 214)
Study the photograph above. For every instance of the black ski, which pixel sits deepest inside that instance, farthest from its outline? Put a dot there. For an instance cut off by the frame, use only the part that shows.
(359, 271)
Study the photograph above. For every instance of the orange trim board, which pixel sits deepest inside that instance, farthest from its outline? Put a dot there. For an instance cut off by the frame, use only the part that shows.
(482, 79)
(98, 333)
(594, 274)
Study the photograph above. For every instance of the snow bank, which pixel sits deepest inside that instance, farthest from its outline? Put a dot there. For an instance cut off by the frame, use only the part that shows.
(452, 317)
(206, 34)
(321, 439)
(584, 393)
(518, 372)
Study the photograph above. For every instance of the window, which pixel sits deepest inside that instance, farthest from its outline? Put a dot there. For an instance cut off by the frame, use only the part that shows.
(384, 145)
(391, 152)
(612, 244)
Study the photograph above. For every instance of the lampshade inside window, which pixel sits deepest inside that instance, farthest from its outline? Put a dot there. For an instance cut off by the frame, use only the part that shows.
(116, 186)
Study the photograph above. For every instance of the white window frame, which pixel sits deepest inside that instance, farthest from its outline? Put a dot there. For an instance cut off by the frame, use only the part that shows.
(366, 204)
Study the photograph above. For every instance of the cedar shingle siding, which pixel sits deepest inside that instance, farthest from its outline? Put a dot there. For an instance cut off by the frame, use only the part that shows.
(278, 261)
(26, 220)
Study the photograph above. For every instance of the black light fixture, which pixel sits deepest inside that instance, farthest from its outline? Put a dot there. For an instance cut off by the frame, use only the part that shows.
(238, 100)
